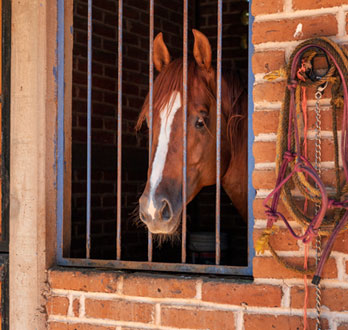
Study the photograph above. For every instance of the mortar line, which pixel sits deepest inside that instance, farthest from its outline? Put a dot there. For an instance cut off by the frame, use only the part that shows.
(304, 13)
(278, 311)
(211, 306)
(284, 45)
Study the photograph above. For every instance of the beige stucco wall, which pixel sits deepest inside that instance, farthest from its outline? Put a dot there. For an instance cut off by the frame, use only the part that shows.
(33, 114)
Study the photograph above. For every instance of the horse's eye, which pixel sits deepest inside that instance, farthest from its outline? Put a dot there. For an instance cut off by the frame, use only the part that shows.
(199, 123)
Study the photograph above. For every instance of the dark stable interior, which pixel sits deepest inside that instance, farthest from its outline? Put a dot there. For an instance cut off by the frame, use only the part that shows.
(201, 211)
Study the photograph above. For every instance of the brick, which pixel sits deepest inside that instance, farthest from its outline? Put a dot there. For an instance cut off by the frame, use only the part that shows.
(333, 298)
(265, 121)
(76, 326)
(341, 243)
(311, 92)
(266, 7)
(57, 305)
(310, 4)
(240, 294)
(256, 322)
(119, 310)
(281, 241)
(343, 326)
(269, 92)
(76, 307)
(264, 152)
(259, 209)
(268, 267)
(273, 31)
(323, 322)
(91, 281)
(264, 179)
(326, 119)
(159, 287)
(327, 150)
(280, 322)
(197, 319)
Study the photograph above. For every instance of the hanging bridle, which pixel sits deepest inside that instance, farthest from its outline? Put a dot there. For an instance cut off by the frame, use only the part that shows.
(294, 167)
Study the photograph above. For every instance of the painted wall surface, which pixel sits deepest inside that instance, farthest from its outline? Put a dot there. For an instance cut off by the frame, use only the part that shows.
(98, 299)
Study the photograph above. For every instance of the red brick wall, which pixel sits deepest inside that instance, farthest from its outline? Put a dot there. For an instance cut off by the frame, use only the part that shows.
(274, 300)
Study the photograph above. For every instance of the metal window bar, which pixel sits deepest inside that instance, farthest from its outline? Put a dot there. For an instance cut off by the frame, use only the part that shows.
(184, 139)
(147, 265)
(218, 136)
(151, 36)
(119, 129)
(89, 131)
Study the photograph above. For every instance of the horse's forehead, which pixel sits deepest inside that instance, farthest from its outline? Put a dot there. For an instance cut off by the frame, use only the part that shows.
(171, 106)
(199, 92)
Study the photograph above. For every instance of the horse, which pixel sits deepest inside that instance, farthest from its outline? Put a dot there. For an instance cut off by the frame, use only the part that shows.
(161, 204)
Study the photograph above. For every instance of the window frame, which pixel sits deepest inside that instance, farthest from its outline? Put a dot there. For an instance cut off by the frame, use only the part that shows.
(5, 123)
(5, 158)
(61, 158)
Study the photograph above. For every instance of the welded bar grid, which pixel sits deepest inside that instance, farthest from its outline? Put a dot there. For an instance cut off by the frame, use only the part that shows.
(89, 130)
(119, 128)
(151, 36)
(184, 134)
(218, 136)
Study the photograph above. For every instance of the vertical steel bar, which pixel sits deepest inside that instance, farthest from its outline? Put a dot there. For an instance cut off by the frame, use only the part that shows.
(119, 128)
(218, 136)
(89, 131)
(184, 139)
(151, 36)
(251, 137)
(60, 128)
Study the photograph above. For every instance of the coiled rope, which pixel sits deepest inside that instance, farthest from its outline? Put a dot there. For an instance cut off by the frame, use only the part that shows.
(294, 169)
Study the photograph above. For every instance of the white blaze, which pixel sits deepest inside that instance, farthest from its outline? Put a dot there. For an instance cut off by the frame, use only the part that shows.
(167, 117)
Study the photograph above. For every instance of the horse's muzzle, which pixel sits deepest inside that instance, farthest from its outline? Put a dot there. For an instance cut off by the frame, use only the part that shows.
(158, 215)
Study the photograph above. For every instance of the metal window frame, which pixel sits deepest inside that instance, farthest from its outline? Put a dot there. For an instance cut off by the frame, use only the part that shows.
(5, 123)
(5, 160)
(142, 265)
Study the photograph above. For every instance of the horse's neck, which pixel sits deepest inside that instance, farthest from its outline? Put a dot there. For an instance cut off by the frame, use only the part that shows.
(235, 180)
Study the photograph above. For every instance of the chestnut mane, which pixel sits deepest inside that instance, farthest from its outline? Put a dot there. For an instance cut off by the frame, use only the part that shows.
(233, 97)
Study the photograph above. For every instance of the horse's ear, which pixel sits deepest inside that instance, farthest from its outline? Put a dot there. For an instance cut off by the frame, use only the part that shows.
(161, 56)
(202, 50)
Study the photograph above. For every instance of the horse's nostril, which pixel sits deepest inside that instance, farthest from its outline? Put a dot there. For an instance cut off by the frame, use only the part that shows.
(142, 216)
(166, 211)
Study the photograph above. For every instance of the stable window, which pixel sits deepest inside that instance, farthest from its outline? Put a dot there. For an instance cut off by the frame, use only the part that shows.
(114, 57)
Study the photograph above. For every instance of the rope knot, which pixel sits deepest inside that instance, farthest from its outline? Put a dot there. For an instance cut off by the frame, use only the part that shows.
(272, 215)
(331, 204)
(334, 204)
(310, 234)
(289, 156)
(292, 84)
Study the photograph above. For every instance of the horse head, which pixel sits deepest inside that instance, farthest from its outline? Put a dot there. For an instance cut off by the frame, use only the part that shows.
(161, 202)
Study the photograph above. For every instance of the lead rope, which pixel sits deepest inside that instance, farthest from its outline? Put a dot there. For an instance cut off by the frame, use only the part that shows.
(317, 166)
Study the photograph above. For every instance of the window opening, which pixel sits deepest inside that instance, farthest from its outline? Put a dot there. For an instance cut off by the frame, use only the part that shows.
(124, 242)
